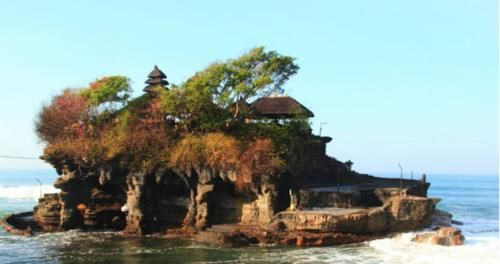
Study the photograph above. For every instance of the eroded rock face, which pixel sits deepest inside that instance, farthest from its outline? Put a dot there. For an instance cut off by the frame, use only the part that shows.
(135, 217)
(444, 236)
(203, 191)
(262, 209)
(165, 199)
(352, 221)
(101, 198)
(48, 212)
(410, 212)
(398, 214)
(74, 191)
(385, 194)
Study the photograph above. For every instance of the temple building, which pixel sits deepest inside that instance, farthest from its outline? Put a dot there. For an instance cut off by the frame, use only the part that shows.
(275, 107)
(278, 107)
(155, 78)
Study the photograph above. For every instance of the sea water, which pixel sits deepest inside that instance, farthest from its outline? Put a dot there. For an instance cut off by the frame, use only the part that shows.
(472, 199)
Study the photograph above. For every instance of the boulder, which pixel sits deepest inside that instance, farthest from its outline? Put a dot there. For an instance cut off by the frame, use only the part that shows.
(444, 236)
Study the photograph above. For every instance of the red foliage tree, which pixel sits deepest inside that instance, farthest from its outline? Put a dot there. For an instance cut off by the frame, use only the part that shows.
(257, 162)
(64, 117)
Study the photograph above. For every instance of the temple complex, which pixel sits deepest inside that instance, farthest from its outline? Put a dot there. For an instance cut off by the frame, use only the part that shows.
(318, 200)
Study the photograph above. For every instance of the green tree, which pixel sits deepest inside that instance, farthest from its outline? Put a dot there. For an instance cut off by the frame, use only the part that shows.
(204, 99)
(108, 93)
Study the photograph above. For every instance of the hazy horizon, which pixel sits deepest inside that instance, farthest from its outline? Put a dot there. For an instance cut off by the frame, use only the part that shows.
(414, 83)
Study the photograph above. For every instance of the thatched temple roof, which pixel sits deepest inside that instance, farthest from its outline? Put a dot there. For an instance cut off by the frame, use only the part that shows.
(156, 77)
(278, 107)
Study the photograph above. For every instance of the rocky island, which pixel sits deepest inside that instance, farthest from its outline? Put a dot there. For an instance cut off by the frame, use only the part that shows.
(224, 157)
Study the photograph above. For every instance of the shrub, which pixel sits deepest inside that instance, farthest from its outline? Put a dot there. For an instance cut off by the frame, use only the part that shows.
(63, 117)
(211, 151)
(257, 161)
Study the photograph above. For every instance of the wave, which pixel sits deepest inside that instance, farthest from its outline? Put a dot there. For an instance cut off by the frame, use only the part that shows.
(106, 246)
(480, 249)
(26, 192)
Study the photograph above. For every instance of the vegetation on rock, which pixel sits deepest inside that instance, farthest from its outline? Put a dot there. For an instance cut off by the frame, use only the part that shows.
(196, 129)
(197, 154)
(99, 124)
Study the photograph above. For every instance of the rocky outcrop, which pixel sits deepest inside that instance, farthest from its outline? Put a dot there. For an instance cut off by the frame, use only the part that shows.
(397, 214)
(308, 239)
(444, 236)
(98, 197)
(48, 212)
(262, 209)
(73, 192)
(410, 212)
(21, 224)
(385, 194)
(201, 200)
(135, 222)
(335, 204)
(243, 235)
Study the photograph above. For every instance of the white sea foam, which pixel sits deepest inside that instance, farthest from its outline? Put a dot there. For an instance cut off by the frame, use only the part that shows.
(400, 249)
(26, 192)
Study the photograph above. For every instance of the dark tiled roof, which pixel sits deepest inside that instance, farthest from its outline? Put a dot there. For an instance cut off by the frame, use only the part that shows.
(157, 73)
(278, 107)
(156, 77)
(156, 81)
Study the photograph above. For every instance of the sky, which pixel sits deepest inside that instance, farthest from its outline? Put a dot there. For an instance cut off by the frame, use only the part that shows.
(410, 82)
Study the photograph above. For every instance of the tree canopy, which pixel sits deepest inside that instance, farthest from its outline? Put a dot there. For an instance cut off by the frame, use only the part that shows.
(187, 127)
(204, 100)
(108, 90)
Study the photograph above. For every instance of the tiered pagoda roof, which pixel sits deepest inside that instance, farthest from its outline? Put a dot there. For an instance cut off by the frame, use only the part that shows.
(155, 78)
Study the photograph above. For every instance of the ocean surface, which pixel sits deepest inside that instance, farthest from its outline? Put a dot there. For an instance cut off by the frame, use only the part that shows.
(472, 199)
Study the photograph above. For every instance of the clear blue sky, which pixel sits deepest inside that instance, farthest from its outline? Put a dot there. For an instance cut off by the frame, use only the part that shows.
(414, 82)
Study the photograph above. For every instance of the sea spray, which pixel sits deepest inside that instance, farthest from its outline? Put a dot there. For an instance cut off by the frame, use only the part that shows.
(26, 192)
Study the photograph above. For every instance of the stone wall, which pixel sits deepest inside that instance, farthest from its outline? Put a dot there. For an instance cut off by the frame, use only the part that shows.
(314, 199)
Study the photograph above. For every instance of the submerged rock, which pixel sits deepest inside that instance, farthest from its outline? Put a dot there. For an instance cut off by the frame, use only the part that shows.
(444, 236)
(441, 218)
